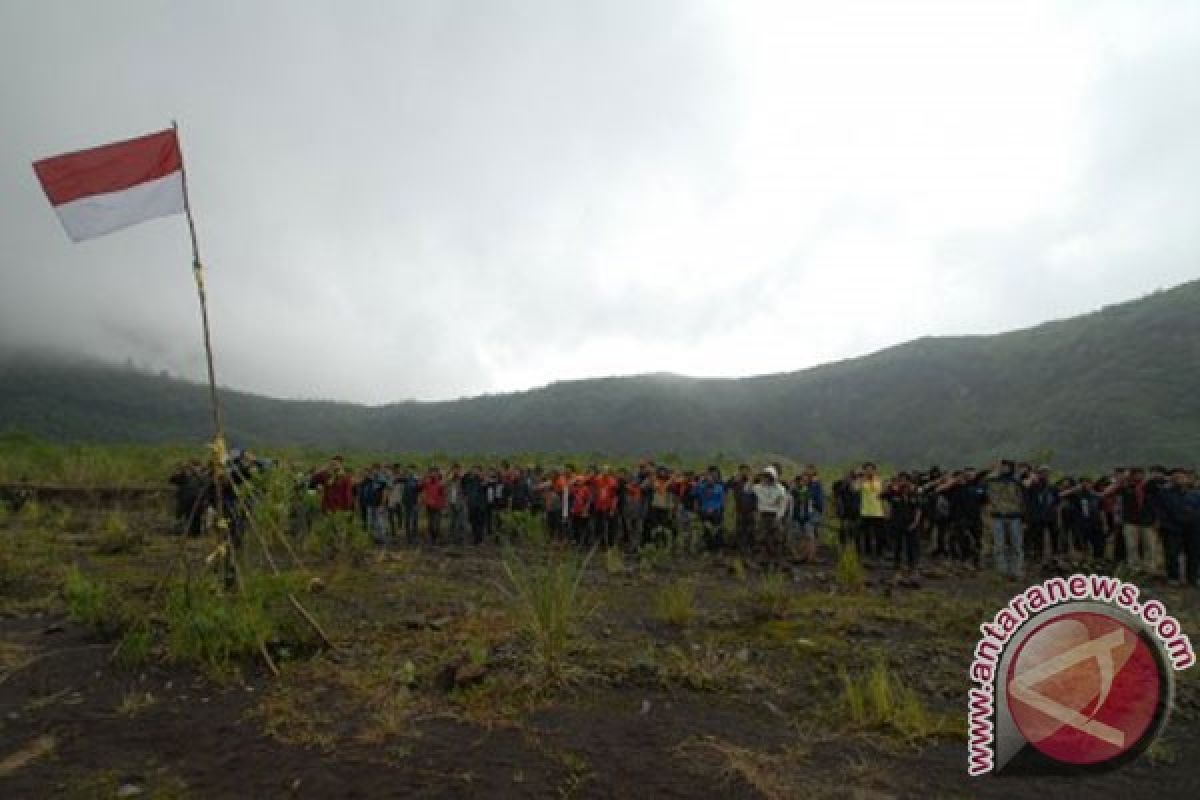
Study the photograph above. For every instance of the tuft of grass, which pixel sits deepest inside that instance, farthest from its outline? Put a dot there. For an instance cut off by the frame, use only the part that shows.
(675, 604)
(614, 561)
(134, 703)
(523, 528)
(766, 773)
(653, 556)
(704, 668)
(116, 538)
(547, 603)
(94, 603)
(849, 571)
(738, 567)
(770, 597)
(136, 647)
(878, 700)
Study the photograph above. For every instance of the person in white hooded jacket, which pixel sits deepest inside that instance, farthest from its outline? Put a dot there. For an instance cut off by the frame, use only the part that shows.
(772, 507)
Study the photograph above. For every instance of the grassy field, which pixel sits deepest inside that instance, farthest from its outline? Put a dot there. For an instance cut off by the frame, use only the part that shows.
(518, 669)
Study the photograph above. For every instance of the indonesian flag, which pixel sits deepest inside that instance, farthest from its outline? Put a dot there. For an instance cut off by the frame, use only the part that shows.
(107, 188)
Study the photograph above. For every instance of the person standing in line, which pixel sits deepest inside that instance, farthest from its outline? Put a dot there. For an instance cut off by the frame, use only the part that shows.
(433, 497)
(741, 486)
(580, 510)
(771, 502)
(395, 501)
(604, 507)
(1177, 504)
(1142, 545)
(475, 496)
(456, 506)
(872, 527)
(1005, 505)
(1041, 506)
(904, 514)
(710, 503)
(632, 509)
(411, 499)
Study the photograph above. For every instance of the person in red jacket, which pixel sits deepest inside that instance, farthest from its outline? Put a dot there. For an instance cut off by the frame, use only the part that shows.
(433, 497)
(336, 485)
(604, 507)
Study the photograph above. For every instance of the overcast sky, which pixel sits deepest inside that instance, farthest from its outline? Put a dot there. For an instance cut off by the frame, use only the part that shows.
(435, 199)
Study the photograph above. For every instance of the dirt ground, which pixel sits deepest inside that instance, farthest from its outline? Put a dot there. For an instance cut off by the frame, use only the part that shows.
(430, 691)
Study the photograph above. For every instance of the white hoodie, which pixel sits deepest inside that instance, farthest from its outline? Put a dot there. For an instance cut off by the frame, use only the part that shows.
(772, 497)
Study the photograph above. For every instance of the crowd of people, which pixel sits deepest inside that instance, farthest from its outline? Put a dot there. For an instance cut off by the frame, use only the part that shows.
(1145, 518)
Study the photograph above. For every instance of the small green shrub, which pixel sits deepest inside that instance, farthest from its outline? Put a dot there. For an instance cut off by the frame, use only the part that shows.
(337, 537)
(211, 628)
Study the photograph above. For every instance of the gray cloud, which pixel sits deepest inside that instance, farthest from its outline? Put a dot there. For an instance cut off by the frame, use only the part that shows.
(432, 199)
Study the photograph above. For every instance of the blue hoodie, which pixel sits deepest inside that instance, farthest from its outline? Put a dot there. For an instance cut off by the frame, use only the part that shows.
(711, 496)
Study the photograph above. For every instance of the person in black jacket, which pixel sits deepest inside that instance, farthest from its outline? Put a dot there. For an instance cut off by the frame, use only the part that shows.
(475, 490)
(1177, 506)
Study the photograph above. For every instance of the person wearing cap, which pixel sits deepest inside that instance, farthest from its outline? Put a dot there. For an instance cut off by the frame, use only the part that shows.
(772, 502)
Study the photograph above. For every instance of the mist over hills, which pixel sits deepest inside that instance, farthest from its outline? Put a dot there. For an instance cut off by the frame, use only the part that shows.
(1119, 384)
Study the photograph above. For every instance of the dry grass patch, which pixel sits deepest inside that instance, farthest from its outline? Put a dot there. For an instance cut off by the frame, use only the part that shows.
(771, 775)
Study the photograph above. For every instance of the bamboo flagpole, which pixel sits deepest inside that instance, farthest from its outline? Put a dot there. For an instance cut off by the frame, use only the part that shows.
(224, 546)
(104, 189)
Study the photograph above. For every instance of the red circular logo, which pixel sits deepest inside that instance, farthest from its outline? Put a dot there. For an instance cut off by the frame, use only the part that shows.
(1084, 688)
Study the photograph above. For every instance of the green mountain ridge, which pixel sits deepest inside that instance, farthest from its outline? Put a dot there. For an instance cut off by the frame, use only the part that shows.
(1118, 384)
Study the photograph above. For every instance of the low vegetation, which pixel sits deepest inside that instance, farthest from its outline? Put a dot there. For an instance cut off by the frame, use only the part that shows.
(548, 603)
(675, 604)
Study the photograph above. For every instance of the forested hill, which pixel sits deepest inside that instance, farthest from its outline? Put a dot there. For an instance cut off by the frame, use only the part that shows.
(1119, 384)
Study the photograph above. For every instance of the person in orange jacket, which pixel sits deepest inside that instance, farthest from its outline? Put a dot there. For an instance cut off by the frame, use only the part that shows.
(580, 509)
(604, 507)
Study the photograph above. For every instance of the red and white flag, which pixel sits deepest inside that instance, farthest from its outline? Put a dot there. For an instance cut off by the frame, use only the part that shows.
(107, 188)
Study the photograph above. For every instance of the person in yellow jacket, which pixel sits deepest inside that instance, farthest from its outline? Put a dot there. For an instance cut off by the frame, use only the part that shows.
(872, 523)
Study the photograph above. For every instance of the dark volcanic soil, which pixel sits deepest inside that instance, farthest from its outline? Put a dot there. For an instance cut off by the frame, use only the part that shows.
(608, 734)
